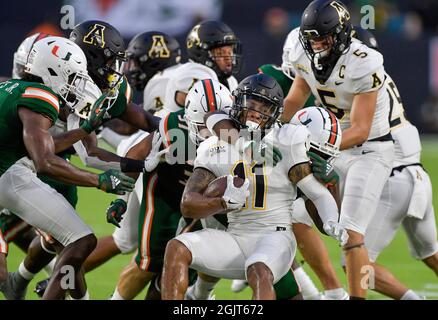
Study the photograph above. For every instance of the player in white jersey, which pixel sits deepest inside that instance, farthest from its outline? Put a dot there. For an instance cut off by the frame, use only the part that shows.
(406, 198)
(259, 244)
(348, 78)
(214, 53)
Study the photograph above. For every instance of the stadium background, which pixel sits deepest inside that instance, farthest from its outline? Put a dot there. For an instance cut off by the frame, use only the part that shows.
(407, 32)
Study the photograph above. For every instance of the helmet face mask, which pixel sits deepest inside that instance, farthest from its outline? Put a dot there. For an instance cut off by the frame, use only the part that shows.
(202, 42)
(325, 35)
(62, 66)
(105, 51)
(257, 113)
(258, 102)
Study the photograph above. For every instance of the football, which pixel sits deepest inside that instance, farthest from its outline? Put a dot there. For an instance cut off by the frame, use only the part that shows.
(217, 187)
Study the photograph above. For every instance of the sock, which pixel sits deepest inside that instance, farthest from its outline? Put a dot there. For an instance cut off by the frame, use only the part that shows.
(49, 268)
(24, 273)
(117, 296)
(336, 294)
(203, 288)
(85, 297)
(308, 288)
(410, 295)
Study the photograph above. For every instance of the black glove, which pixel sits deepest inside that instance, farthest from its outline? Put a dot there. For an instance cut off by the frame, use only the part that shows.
(114, 213)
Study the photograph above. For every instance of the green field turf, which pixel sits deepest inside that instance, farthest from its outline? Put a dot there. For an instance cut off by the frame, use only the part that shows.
(102, 281)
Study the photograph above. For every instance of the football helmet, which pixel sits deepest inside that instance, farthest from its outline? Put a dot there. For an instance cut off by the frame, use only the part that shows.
(325, 34)
(325, 130)
(149, 53)
(105, 51)
(277, 73)
(205, 96)
(208, 35)
(20, 56)
(62, 66)
(365, 36)
(258, 102)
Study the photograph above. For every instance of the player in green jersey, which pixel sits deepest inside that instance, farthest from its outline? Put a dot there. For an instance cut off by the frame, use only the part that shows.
(56, 69)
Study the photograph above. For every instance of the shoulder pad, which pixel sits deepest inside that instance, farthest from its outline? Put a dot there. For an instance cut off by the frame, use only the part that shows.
(294, 134)
(368, 64)
(293, 46)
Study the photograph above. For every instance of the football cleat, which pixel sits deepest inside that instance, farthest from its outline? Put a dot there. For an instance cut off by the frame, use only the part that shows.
(41, 287)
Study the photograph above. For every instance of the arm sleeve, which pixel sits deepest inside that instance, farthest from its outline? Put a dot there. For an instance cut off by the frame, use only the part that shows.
(321, 198)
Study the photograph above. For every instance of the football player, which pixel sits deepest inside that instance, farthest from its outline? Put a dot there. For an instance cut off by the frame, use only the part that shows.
(153, 58)
(259, 244)
(56, 73)
(214, 52)
(309, 243)
(162, 189)
(40, 251)
(406, 198)
(347, 78)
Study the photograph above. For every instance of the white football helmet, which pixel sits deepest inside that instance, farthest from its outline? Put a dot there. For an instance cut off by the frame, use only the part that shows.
(62, 66)
(286, 65)
(205, 96)
(324, 127)
(20, 56)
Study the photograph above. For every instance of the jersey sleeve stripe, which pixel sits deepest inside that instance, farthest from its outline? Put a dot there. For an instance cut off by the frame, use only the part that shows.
(334, 131)
(41, 94)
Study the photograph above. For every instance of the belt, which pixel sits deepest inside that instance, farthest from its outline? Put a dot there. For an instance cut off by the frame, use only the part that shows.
(400, 168)
(386, 137)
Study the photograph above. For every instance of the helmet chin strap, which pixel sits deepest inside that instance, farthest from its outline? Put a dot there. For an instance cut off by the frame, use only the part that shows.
(316, 59)
(252, 126)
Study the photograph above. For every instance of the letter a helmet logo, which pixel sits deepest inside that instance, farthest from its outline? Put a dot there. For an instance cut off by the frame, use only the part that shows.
(95, 36)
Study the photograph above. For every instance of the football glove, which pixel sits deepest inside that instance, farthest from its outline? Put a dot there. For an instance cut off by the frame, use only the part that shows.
(114, 213)
(335, 230)
(153, 159)
(234, 197)
(96, 115)
(113, 181)
(322, 169)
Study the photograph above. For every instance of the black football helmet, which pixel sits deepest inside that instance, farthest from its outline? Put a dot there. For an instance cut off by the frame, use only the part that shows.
(208, 35)
(149, 53)
(105, 51)
(261, 95)
(327, 22)
(365, 36)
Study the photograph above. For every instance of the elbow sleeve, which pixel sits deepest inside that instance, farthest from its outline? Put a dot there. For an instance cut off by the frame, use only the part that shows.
(321, 198)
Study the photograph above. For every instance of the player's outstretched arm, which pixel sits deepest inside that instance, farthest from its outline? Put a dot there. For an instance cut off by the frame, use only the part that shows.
(296, 98)
(302, 176)
(193, 203)
(361, 117)
(221, 125)
(41, 148)
(136, 116)
(67, 139)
